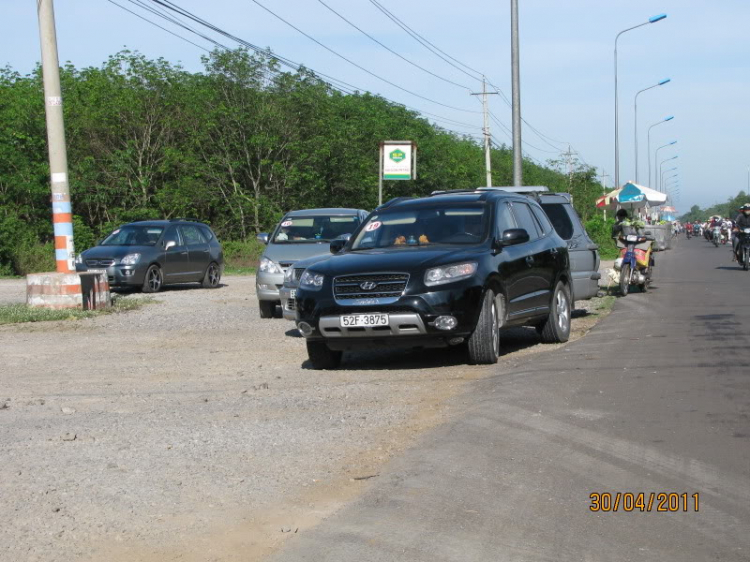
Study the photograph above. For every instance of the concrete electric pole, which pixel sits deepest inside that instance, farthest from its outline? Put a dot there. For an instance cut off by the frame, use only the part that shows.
(514, 57)
(486, 129)
(62, 216)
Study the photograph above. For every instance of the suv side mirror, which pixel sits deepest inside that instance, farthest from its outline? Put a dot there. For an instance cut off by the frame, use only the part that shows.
(337, 245)
(514, 236)
(169, 244)
(262, 237)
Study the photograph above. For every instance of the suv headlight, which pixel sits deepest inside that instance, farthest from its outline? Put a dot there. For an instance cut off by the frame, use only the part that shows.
(311, 281)
(268, 266)
(79, 258)
(449, 273)
(130, 259)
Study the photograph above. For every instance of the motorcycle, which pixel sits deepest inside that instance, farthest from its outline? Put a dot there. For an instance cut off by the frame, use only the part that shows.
(688, 233)
(716, 235)
(635, 263)
(724, 236)
(743, 248)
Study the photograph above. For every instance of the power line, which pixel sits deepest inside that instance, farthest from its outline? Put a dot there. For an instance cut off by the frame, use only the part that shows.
(362, 68)
(387, 48)
(334, 83)
(427, 44)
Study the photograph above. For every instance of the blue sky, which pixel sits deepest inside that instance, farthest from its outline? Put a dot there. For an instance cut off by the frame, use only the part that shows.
(567, 85)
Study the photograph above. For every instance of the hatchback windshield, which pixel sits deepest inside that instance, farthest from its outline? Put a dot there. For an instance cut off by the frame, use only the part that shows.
(296, 230)
(435, 225)
(134, 235)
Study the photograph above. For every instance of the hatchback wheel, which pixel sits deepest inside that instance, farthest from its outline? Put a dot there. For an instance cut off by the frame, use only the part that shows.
(484, 343)
(212, 277)
(153, 281)
(556, 328)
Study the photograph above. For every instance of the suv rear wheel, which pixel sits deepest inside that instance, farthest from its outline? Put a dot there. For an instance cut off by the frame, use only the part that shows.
(556, 329)
(322, 357)
(484, 343)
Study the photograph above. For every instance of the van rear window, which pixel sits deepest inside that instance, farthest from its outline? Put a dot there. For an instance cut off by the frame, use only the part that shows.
(560, 219)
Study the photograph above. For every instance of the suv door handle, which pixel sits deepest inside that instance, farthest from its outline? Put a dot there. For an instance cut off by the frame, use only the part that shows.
(530, 260)
(553, 251)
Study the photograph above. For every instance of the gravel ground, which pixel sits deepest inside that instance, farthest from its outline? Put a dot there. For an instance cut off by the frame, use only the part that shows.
(193, 430)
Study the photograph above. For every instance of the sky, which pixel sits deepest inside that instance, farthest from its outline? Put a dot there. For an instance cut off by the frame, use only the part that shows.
(567, 69)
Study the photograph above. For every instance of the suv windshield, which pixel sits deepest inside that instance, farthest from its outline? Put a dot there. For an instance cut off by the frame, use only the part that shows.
(134, 235)
(434, 225)
(296, 230)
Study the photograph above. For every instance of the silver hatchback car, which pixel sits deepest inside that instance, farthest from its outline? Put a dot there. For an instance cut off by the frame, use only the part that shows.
(299, 235)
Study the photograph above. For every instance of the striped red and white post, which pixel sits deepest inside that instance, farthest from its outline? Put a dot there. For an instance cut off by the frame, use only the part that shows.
(62, 219)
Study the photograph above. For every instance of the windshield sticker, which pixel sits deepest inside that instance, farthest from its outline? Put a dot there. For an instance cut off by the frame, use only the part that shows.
(373, 226)
(287, 223)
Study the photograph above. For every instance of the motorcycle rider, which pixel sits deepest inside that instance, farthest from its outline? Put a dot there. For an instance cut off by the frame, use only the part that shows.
(620, 217)
(689, 229)
(741, 222)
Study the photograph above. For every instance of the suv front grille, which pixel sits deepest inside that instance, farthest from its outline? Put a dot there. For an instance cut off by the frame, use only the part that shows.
(388, 286)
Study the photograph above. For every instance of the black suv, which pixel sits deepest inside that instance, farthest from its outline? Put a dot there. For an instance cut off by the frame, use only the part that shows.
(450, 269)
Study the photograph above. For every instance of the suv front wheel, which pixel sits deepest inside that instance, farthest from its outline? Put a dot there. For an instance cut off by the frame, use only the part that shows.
(321, 356)
(484, 343)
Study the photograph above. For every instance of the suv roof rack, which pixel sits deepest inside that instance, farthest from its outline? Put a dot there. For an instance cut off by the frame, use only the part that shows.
(391, 202)
(523, 189)
(186, 219)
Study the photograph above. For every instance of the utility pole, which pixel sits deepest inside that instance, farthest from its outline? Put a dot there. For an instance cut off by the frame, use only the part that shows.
(62, 216)
(569, 158)
(486, 129)
(515, 64)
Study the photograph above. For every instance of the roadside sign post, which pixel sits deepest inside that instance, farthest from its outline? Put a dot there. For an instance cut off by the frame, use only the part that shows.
(398, 161)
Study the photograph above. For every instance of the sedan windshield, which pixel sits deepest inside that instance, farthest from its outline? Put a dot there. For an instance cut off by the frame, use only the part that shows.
(296, 230)
(134, 235)
(448, 225)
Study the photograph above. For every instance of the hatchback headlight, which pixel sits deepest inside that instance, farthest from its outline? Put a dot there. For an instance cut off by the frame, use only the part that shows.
(311, 281)
(130, 259)
(268, 266)
(449, 273)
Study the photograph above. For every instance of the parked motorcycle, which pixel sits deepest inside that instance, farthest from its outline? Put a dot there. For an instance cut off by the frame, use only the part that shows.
(743, 248)
(635, 263)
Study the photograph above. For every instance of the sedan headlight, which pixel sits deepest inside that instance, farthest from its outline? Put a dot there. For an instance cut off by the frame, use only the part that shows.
(130, 259)
(268, 266)
(449, 273)
(288, 274)
(311, 281)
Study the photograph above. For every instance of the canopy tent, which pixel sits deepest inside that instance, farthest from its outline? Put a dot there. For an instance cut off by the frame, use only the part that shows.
(608, 201)
(668, 209)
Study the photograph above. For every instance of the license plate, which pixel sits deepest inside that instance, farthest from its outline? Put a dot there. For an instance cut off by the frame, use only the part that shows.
(363, 320)
(632, 238)
(293, 294)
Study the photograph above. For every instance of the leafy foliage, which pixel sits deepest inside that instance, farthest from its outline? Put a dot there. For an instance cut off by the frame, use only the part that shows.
(236, 146)
(728, 209)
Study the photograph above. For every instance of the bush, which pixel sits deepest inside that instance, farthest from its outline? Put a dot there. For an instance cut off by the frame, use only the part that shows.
(240, 254)
(600, 231)
(34, 257)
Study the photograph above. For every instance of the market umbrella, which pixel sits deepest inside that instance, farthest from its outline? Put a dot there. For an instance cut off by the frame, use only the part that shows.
(668, 209)
(608, 201)
(635, 196)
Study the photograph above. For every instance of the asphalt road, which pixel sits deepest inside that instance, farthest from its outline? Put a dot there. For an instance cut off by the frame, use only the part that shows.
(655, 399)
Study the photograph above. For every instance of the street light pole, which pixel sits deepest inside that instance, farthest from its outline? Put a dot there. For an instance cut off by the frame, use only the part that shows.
(635, 112)
(656, 156)
(661, 173)
(649, 145)
(516, 96)
(653, 19)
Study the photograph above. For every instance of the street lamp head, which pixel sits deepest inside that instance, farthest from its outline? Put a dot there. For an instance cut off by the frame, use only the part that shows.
(671, 143)
(654, 19)
(665, 81)
(669, 118)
